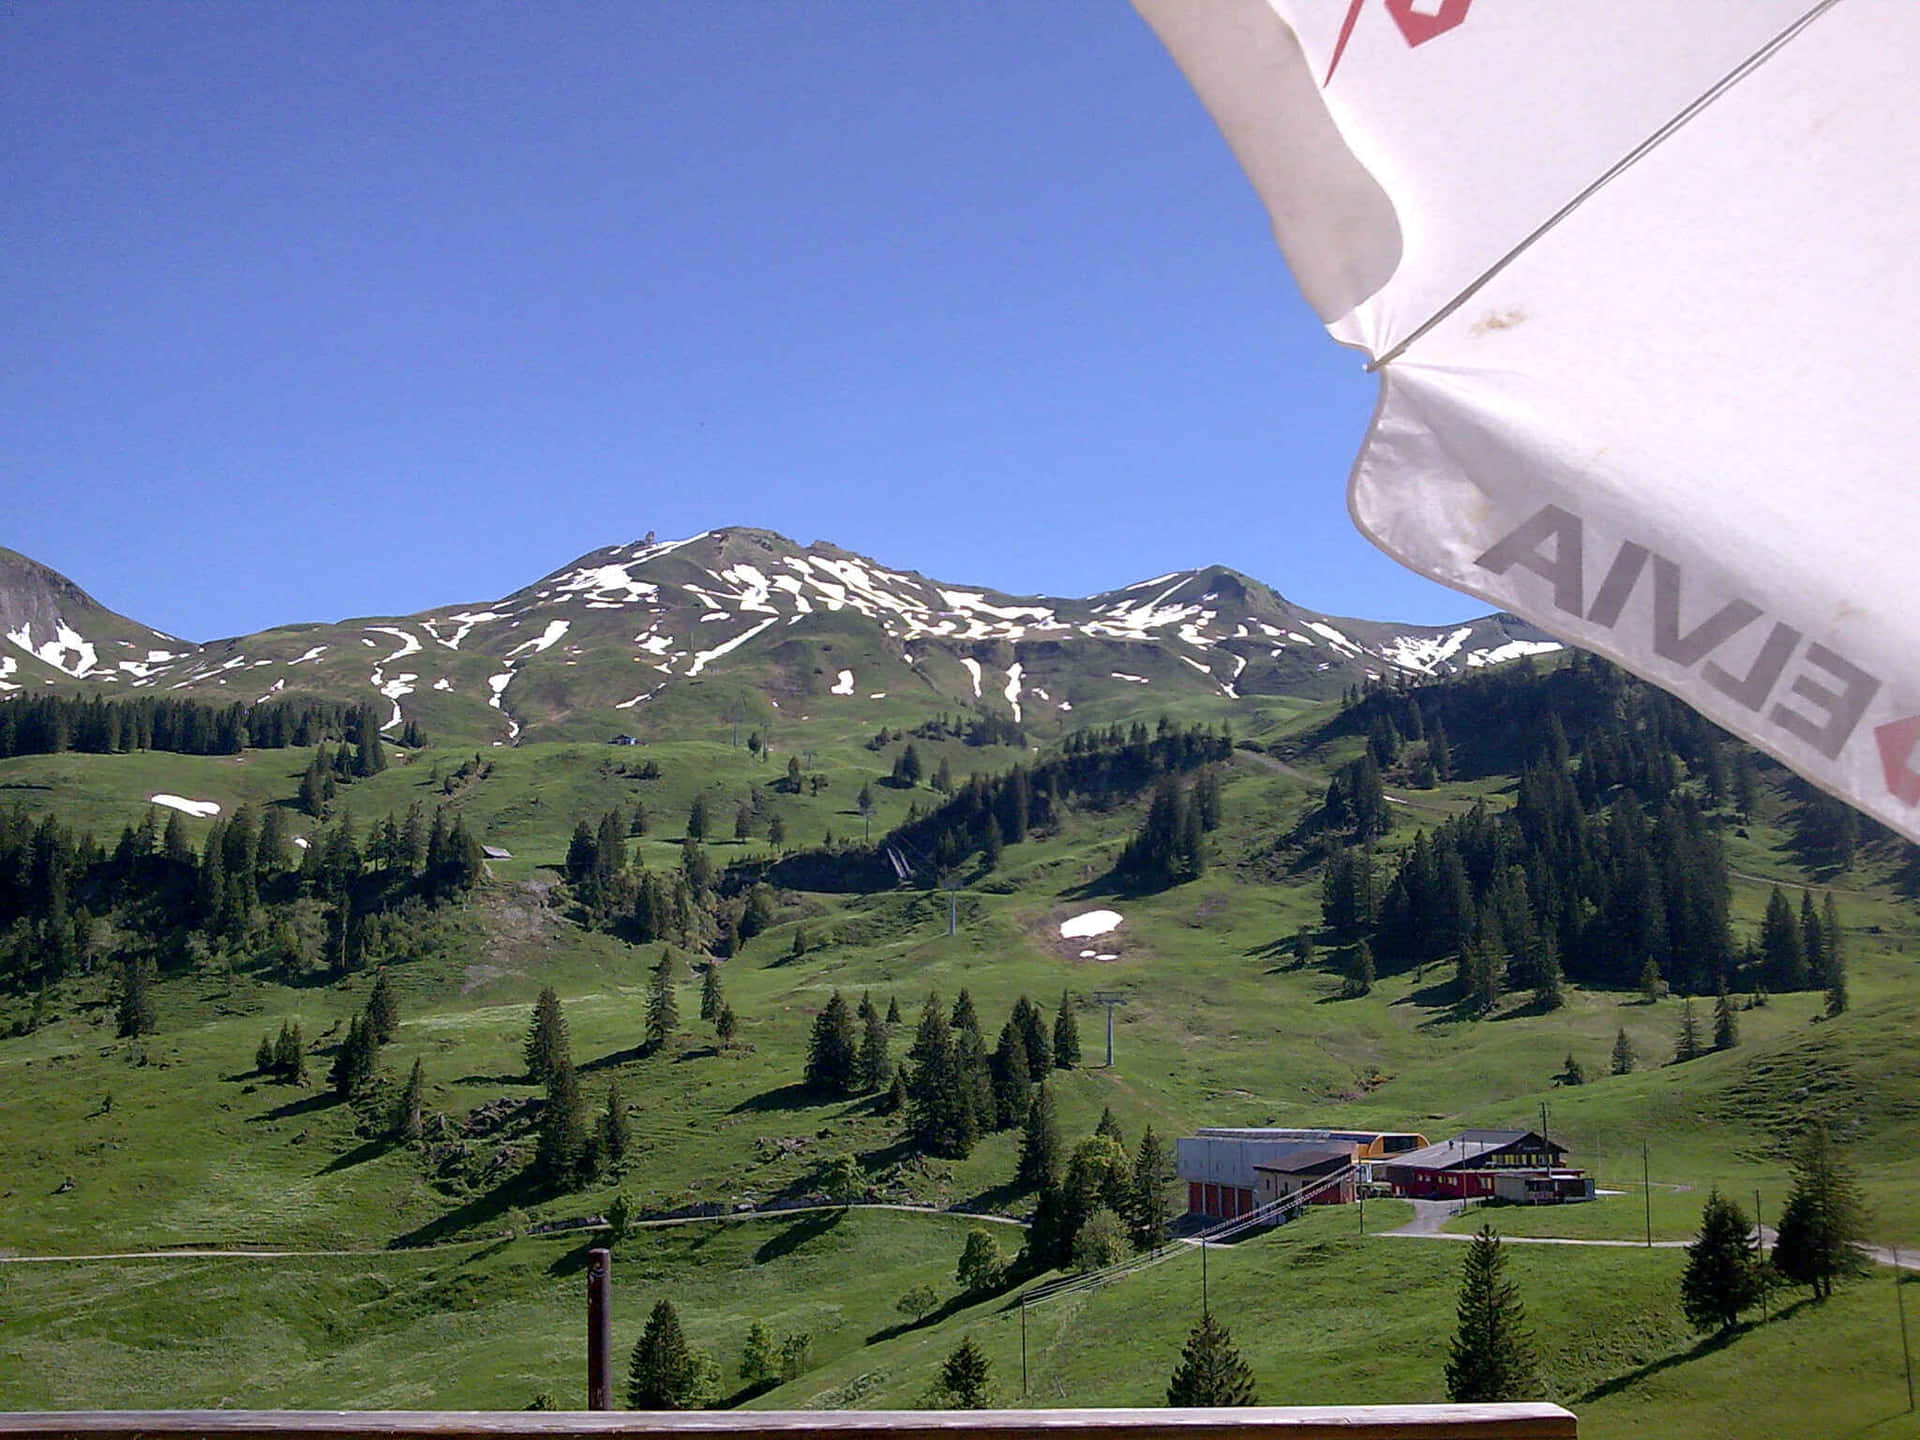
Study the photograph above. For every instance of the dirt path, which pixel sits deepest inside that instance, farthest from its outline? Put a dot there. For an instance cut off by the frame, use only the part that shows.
(1430, 1215)
(1294, 772)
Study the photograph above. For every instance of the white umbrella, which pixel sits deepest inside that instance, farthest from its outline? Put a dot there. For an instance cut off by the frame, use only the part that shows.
(1639, 281)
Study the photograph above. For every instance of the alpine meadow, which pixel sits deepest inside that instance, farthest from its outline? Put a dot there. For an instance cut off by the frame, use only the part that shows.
(761, 912)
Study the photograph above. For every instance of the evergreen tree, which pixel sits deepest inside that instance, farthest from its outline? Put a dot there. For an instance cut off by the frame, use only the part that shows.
(893, 1010)
(546, 1048)
(1549, 986)
(832, 1050)
(971, 1063)
(1032, 1026)
(873, 1067)
(663, 1009)
(1782, 945)
(290, 1054)
(697, 818)
(1623, 1057)
(710, 997)
(664, 1373)
(263, 1056)
(1491, 1357)
(1824, 1219)
(353, 1063)
(135, 1016)
(1686, 1045)
(1723, 1275)
(616, 1130)
(1040, 1157)
(1066, 1035)
(940, 1106)
(408, 1116)
(895, 1099)
(563, 1147)
(1650, 981)
(963, 1378)
(1148, 1214)
(1012, 1085)
(1726, 1027)
(725, 1027)
(1572, 1072)
(1109, 1126)
(1211, 1372)
(1360, 972)
(582, 854)
(383, 1010)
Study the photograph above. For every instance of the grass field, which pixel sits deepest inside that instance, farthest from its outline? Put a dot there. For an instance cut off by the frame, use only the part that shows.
(172, 1141)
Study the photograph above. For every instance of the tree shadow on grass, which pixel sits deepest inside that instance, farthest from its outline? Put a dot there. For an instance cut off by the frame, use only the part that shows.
(992, 1200)
(1699, 1350)
(360, 1154)
(491, 1080)
(615, 1058)
(811, 1227)
(293, 1109)
(796, 1096)
(520, 1190)
(953, 1305)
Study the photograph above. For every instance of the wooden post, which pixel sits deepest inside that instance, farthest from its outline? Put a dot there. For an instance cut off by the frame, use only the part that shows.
(599, 1329)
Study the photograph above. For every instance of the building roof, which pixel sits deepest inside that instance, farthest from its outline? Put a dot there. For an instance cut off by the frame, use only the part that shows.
(1308, 1158)
(1466, 1147)
(494, 852)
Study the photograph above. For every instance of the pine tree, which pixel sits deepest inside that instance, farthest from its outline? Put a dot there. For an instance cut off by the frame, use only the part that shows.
(383, 1010)
(263, 1056)
(1032, 1026)
(353, 1063)
(408, 1116)
(981, 1264)
(1012, 1085)
(1650, 981)
(546, 1046)
(664, 1373)
(1492, 1353)
(582, 853)
(663, 1009)
(1572, 1072)
(1726, 1027)
(710, 997)
(1360, 973)
(1686, 1045)
(1109, 1126)
(1824, 1219)
(873, 1067)
(940, 1106)
(1149, 1213)
(563, 1146)
(1623, 1057)
(1211, 1372)
(832, 1050)
(725, 1027)
(616, 1130)
(697, 818)
(963, 1378)
(135, 1016)
(893, 1010)
(1066, 1035)
(1723, 1275)
(1040, 1157)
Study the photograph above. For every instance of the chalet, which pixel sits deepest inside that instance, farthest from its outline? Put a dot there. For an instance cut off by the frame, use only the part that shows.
(1542, 1187)
(1220, 1163)
(1466, 1166)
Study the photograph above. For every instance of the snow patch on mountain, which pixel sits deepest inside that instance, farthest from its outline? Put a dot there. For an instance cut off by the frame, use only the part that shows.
(66, 640)
(1012, 692)
(314, 654)
(607, 584)
(1512, 650)
(1425, 653)
(409, 642)
(701, 658)
(466, 620)
(546, 640)
(1333, 637)
(7, 666)
(844, 685)
(973, 669)
(204, 809)
(1135, 679)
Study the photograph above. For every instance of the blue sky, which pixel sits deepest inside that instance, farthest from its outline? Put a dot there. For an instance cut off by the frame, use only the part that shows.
(330, 310)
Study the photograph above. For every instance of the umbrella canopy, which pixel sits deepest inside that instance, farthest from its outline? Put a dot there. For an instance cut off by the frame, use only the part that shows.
(1640, 282)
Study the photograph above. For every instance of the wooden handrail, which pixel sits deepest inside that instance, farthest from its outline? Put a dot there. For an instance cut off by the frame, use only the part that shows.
(1266, 1422)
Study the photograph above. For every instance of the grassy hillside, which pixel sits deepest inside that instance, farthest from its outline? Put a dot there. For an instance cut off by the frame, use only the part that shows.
(171, 1140)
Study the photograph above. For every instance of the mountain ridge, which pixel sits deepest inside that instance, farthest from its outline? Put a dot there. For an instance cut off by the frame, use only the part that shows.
(617, 628)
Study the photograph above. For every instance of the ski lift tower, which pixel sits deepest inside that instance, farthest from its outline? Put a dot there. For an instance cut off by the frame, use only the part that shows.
(1109, 999)
(952, 884)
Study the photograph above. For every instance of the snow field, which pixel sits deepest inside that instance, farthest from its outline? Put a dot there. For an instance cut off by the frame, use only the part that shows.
(1090, 923)
(201, 808)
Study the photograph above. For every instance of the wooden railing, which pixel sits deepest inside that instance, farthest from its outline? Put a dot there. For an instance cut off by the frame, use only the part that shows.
(1277, 1422)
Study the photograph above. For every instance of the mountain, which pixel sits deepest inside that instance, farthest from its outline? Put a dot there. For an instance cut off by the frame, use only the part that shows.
(748, 623)
(54, 630)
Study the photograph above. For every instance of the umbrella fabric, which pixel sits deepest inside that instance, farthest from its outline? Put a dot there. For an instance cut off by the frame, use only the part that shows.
(1640, 282)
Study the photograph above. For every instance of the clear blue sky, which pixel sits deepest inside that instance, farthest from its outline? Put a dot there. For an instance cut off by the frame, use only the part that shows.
(323, 310)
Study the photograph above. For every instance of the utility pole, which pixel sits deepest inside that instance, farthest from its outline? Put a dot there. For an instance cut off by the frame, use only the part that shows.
(1900, 1299)
(1203, 1277)
(1023, 1345)
(599, 1329)
(1109, 999)
(1760, 1243)
(1646, 1189)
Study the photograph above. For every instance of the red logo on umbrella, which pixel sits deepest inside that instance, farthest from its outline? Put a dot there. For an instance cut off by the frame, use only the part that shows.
(1896, 740)
(1419, 22)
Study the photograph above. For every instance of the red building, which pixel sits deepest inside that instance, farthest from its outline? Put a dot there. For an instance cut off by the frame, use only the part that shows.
(1465, 1167)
